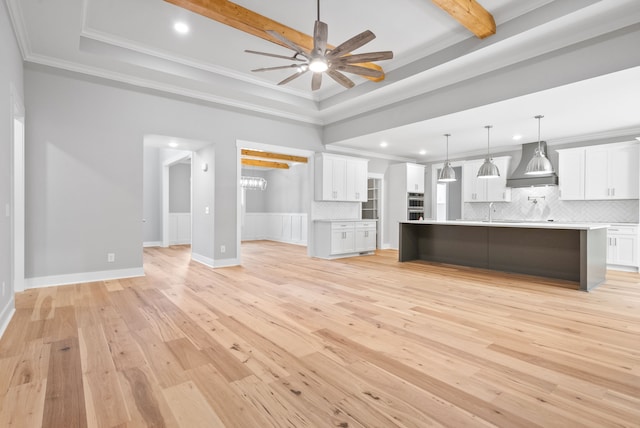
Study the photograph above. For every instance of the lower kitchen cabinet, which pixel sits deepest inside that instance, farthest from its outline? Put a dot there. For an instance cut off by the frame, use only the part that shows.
(333, 239)
(622, 247)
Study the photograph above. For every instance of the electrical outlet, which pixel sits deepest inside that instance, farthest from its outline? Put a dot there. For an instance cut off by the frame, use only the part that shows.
(206, 210)
(223, 249)
(111, 257)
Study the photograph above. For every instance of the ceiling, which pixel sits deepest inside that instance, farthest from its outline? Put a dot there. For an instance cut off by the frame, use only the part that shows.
(133, 41)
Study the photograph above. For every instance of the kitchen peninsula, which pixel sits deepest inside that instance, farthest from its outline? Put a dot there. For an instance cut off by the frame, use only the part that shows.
(574, 252)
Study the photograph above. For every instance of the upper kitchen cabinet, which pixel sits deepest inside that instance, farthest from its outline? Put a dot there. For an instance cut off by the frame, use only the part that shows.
(340, 178)
(607, 171)
(476, 189)
(611, 171)
(415, 178)
(571, 174)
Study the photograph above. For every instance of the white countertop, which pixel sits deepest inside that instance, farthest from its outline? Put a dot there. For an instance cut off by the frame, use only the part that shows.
(342, 220)
(524, 224)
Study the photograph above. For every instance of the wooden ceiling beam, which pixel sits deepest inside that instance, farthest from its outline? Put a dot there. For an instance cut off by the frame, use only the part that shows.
(264, 164)
(471, 15)
(253, 23)
(269, 155)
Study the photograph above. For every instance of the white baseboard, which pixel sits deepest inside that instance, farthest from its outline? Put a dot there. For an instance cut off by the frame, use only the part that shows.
(621, 268)
(76, 278)
(385, 247)
(6, 314)
(152, 244)
(209, 262)
(180, 242)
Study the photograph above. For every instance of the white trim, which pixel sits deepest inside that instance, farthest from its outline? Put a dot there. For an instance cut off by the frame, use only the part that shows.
(78, 278)
(204, 260)
(152, 244)
(6, 314)
(17, 192)
(20, 29)
(222, 263)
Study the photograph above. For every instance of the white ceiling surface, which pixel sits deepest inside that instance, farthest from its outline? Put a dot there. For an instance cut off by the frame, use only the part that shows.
(133, 41)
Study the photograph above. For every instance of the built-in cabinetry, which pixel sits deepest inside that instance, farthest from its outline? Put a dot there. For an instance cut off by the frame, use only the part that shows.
(406, 196)
(342, 238)
(476, 189)
(622, 246)
(601, 172)
(340, 178)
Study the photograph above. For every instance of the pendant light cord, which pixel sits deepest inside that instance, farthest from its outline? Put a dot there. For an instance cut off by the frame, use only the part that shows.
(488, 139)
(318, 3)
(447, 135)
(539, 117)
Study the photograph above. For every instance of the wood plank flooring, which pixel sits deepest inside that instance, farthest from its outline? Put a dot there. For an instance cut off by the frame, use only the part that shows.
(290, 341)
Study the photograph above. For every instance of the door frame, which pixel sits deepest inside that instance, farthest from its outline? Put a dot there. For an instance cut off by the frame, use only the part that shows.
(17, 192)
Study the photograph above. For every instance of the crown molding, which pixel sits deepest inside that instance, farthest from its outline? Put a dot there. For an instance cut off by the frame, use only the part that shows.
(19, 27)
(614, 133)
(367, 154)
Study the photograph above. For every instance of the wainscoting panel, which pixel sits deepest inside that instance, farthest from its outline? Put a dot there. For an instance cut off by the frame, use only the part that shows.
(282, 227)
(179, 228)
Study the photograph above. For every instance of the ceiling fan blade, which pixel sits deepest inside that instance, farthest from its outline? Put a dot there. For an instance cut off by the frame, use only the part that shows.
(316, 81)
(352, 44)
(364, 57)
(361, 71)
(292, 58)
(282, 67)
(293, 76)
(341, 78)
(288, 43)
(320, 35)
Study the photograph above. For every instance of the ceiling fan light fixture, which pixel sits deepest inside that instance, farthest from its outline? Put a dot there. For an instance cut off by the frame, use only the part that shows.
(539, 163)
(318, 64)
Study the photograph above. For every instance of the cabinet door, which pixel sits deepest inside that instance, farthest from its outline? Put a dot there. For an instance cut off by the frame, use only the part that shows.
(337, 238)
(415, 178)
(473, 188)
(338, 178)
(596, 182)
(623, 172)
(571, 174)
(497, 190)
(356, 188)
(626, 250)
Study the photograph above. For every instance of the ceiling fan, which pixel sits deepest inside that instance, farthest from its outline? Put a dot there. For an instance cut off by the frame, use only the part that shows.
(321, 59)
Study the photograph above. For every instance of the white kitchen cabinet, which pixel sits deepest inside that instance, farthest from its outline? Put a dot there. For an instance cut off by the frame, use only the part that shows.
(365, 236)
(622, 246)
(611, 171)
(476, 189)
(415, 178)
(356, 180)
(340, 178)
(346, 238)
(571, 174)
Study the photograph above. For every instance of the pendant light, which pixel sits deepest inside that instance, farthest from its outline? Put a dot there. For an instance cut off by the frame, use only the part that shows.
(488, 169)
(447, 173)
(539, 163)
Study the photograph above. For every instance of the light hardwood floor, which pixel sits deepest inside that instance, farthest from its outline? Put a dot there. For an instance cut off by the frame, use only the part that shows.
(291, 341)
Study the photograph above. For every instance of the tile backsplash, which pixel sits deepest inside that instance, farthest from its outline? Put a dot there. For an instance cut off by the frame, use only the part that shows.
(550, 207)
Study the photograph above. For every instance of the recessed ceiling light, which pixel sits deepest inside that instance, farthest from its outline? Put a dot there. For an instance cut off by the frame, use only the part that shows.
(423, 152)
(173, 144)
(517, 137)
(181, 27)
(384, 144)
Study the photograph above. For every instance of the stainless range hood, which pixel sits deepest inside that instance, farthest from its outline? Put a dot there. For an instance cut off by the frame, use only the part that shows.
(519, 179)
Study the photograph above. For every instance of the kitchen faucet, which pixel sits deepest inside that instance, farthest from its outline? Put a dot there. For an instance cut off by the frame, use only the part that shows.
(490, 211)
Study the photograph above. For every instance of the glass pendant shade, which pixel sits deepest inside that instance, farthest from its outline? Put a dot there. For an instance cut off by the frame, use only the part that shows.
(539, 163)
(447, 174)
(488, 169)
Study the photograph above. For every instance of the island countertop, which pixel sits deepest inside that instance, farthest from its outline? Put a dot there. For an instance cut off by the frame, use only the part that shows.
(515, 223)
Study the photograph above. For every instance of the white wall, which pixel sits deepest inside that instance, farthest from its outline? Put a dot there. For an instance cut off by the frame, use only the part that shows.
(84, 168)
(10, 77)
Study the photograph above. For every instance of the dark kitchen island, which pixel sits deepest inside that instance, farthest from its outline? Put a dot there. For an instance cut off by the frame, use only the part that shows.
(574, 252)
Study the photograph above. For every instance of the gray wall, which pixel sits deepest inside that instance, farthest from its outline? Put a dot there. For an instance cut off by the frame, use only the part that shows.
(152, 195)
(256, 200)
(288, 190)
(84, 167)
(180, 188)
(203, 225)
(10, 75)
